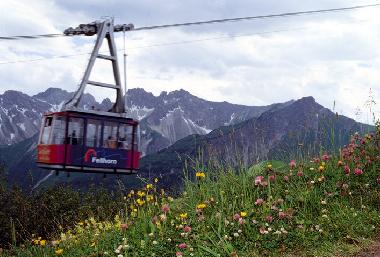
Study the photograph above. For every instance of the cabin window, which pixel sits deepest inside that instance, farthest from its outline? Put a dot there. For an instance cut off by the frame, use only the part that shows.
(59, 126)
(94, 130)
(75, 131)
(46, 130)
(125, 136)
(110, 135)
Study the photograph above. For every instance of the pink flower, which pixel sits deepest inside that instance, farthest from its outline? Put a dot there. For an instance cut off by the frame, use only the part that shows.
(300, 173)
(347, 169)
(378, 180)
(179, 254)
(187, 229)
(281, 215)
(123, 226)
(358, 172)
(237, 216)
(272, 178)
(241, 221)
(155, 220)
(182, 246)
(263, 231)
(165, 208)
(259, 180)
(292, 164)
(269, 218)
(286, 178)
(325, 157)
(259, 202)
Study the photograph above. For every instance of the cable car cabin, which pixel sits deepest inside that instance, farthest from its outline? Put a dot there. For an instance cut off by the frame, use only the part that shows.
(88, 142)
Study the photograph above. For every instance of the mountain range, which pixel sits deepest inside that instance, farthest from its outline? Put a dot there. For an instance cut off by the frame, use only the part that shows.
(176, 128)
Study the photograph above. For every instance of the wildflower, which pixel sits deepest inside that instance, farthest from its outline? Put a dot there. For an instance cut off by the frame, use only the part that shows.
(140, 202)
(347, 169)
(286, 178)
(243, 214)
(149, 198)
(236, 234)
(149, 186)
(187, 229)
(182, 245)
(43, 242)
(378, 180)
(201, 206)
(269, 166)
(325, 157)
(321, 168)
(324, 216)
(59, 251)
(141, 193)
(165, 208)
(323, 202)
(154, 242)
(340, 163)
(358, 171)
(123, 226)
(178, 254)
(259, 180)
(241, 221)
(311, 169)
(156, 180)
(292, 164)
(163, 217)
(281, 215)
(183, 215)
(322, 178)
(237, 216)
(200, 174)
(272, 178)
(263, 231)
(300, 173)
(269, 218)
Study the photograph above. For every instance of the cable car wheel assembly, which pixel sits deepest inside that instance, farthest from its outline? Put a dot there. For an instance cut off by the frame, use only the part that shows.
(91, 141)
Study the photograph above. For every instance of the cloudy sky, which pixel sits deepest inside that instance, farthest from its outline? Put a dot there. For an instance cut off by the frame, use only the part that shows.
(334, 57)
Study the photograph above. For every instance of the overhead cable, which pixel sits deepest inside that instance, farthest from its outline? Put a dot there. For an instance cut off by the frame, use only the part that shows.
(288, 14)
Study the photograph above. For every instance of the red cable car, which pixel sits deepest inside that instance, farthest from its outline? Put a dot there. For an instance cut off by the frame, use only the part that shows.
(89, 140)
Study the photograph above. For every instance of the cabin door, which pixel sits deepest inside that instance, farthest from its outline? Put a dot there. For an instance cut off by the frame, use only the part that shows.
(74, 140)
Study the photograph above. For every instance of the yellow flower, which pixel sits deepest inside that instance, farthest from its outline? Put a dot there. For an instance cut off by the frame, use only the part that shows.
(149, 198)
(201, 206)
(93, 244)
(80, 223)
(149, 186)
(183, 215)
(156, 180)
(140, 202)
(140, 193)
(269, 166)
(43, 242)
(321, 168)
(243, 214)
(200, 174)
(59, 251)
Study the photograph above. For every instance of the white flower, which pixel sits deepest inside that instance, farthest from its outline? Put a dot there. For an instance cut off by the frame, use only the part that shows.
(236, 234)
(154, 242)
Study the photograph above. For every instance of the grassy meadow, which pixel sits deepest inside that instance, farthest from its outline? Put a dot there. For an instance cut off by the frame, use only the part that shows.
(325, 206)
